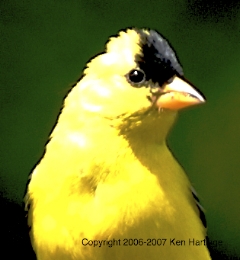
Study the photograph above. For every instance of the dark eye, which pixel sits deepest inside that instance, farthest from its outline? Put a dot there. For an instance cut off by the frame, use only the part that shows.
(136, 76)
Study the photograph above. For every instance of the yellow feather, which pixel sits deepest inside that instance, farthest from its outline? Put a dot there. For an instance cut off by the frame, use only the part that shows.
(108, 175)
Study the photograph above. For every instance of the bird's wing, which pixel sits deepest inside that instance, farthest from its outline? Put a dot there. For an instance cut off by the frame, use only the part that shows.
(200, 208)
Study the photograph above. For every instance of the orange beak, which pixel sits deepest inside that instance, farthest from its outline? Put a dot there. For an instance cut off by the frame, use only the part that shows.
(178, 94)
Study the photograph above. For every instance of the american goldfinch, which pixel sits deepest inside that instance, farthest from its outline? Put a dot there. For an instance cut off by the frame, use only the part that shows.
(107, 186)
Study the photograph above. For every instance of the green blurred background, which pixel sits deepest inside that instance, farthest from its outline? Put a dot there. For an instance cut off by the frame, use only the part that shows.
(44, 47)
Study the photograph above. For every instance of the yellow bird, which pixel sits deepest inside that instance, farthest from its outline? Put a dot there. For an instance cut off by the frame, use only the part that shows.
(107, 186)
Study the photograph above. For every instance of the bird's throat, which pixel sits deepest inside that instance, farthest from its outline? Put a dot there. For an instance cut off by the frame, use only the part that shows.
(151, 127)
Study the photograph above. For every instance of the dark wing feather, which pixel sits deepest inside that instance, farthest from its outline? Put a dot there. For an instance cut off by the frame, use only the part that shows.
(200, 208)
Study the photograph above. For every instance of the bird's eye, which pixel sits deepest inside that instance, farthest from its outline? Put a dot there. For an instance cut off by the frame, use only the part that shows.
(136, 76)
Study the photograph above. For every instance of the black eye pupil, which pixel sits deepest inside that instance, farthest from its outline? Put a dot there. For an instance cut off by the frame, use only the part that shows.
(136, 76)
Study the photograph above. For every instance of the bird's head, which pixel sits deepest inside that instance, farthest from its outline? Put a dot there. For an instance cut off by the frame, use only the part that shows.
(137, 75)
(138, 71)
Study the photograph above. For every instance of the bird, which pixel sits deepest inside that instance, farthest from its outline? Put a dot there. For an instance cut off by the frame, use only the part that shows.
(108, 185)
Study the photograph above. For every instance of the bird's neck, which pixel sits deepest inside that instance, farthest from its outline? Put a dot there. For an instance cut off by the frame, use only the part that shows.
(149, 128)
